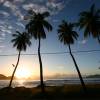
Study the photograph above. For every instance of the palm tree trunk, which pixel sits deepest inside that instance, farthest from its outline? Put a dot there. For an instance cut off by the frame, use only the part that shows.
(14, 70)
(78, 71)
(41, 68)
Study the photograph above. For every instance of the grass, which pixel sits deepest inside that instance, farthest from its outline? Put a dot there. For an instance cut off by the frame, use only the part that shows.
(66, 92)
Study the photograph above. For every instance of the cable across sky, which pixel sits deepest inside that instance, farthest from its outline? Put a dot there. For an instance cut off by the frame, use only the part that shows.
(54, 53)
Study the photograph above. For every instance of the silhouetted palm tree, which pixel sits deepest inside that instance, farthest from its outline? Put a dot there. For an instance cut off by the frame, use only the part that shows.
(90, 22)
(36, 28)
(20, 41)
(68, 36)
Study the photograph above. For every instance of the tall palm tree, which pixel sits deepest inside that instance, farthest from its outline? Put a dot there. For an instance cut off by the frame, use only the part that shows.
(90, 22)
(20, 41)
(36, 28)
(68, 36)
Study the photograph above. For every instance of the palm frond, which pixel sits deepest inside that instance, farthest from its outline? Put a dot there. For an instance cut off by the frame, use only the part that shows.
(66, 34)
(47, 25)
(31, 12)
(36, 27)
(46, 14)
(92, 9)
(21, 40)
(90, 22)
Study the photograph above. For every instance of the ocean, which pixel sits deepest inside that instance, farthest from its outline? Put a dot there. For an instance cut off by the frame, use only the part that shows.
(51, 82)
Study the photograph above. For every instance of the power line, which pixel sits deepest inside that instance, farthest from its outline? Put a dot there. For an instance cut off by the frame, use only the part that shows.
(54, 53)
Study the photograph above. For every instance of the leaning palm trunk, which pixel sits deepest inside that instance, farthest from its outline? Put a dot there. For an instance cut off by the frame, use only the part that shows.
(41, 69)
(78, 71)
(14, 70)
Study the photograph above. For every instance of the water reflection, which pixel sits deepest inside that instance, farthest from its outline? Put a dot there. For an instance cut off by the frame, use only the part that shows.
(18, 83)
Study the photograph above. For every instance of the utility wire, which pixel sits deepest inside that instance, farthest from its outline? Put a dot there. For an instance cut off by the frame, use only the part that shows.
(52, 53)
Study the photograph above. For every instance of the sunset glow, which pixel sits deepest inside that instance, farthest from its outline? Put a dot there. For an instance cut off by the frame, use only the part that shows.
(23, 73)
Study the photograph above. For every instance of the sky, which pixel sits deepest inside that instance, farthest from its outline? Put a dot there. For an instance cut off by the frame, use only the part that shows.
(12, 14)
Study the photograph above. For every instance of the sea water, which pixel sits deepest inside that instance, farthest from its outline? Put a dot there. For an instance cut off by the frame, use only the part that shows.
(49, 82)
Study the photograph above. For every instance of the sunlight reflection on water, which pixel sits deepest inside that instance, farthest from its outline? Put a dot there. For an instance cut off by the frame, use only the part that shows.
(21, 82)
(18, 83)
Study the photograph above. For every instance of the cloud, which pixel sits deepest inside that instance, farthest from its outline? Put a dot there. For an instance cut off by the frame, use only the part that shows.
(15, 10)
(19, 14)
(55, 6)
(19, 1)
(9, 27)
(2, 46)
(1, 1)
(35, 7)
(14, 1)
(19, 6)
(4, 32)
(2, 22)
(28, 6)
(1, 38)
(8, 31)
(5, 28)
(8, 4)
(55, 20)
(5, 14)
(20, 24)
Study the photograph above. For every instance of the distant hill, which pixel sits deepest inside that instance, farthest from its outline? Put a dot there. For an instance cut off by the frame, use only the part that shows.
(93, 76)
(3, 77)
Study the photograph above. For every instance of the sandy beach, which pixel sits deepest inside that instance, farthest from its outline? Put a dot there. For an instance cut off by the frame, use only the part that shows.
(66, 92)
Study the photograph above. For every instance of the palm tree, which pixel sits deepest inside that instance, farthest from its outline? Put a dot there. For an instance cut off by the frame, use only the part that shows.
(20, 41)
(68, 36)
(36, 28)
(90, 22)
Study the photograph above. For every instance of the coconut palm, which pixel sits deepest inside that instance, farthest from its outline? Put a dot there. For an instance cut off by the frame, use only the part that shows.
(20, 41)
(36, 28)
(68, 36)
(90, 22)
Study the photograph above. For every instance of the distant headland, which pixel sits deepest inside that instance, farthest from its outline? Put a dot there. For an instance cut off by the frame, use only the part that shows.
(3, 77)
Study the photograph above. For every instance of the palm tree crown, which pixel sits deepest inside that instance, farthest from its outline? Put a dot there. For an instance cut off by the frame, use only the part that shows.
(37, 24)
(21, 40)
(66, 33)
(90, 21)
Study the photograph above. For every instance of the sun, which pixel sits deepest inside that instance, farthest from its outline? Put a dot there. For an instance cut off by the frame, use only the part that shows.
(23, 73)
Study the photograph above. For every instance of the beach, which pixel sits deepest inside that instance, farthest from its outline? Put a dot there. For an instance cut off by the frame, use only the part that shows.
(65, 92)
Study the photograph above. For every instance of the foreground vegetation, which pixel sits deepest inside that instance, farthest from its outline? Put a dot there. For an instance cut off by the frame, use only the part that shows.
(66, 92)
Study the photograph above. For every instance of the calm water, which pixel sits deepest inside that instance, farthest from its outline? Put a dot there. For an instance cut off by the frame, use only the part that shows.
(58, 82)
